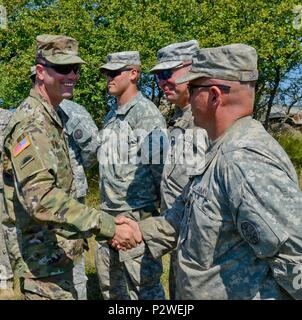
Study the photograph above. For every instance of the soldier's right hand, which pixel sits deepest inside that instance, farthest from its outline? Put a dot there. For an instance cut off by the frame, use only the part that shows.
(127, 234)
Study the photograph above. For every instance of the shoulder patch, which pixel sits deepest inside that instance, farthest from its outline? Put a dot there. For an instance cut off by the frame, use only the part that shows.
(249, 232)
(21, 145)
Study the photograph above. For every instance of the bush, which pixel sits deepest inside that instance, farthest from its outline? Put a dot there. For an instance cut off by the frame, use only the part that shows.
(292, 144)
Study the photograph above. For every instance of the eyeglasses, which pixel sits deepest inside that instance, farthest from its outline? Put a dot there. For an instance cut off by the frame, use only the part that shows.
(223, 87)
(114, 73)
(167, 73)
(64, 68)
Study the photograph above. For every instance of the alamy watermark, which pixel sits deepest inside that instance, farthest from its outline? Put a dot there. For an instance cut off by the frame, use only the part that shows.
(137, 147)
(297, 22)
(3, 277)
(297, 281)
(3, 17)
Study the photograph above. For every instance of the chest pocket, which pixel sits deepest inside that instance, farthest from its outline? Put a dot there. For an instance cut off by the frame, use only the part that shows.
(202, 228)
(64, 173)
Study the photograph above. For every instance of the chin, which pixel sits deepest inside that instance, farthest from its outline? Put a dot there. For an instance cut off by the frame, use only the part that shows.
(67, 95)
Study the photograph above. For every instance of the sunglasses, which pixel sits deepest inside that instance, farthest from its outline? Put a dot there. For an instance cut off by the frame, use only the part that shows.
(64, 68)
(114, 73)
(167, 73)
(192, 87)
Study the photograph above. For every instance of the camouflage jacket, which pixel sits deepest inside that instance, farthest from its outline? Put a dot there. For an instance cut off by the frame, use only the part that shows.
(180, 164)
(125, 182)
(238, 225)
(82, 140)
(39, 192)
(5, 267)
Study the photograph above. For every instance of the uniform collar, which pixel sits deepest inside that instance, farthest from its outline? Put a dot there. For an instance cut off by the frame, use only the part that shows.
(123, 109)
(49, 109)
(182, 117)
(215, 145)
(241, 122)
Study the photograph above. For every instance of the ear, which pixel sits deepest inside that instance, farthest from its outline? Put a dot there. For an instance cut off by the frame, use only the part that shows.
(134, 74)
(215, 97)
(39, 72)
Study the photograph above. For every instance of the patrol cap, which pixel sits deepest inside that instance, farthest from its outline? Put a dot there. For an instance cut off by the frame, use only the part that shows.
(235, 62)
(175, 54)
(58, 49)
(120, 60)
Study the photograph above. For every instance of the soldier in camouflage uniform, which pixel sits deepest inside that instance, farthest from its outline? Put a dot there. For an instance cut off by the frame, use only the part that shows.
(173, 61)
(128, 187)
(39, 192)
(81, 134)
(6, 273)
(238, 224)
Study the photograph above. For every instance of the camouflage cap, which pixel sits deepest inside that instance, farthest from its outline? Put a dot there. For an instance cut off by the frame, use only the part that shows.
(120, 60)
(235, 62)
(58, 49)
(175, 54)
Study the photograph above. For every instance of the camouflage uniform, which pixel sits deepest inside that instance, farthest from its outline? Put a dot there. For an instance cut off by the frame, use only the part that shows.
(6, 273)
(131, 189)
(81, 134)
(177, 171)
(237, 225)
(183, 140)
(40, 195)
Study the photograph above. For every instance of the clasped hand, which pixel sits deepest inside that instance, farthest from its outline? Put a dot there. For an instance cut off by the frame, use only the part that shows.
(127, 234)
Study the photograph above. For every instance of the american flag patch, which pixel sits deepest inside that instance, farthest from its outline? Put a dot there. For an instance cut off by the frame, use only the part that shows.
(23, 144)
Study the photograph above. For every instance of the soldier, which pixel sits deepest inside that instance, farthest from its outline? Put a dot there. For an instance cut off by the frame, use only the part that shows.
(38, 182)
(128, 186)
(238, 224)
(81, 134)
(6, 273)
(173, 61)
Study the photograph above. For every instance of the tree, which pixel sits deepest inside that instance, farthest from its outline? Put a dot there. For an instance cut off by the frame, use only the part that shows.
(103, 26)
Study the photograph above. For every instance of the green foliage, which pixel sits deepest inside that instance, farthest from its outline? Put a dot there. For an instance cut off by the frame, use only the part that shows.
(292, 144)
(103, 26)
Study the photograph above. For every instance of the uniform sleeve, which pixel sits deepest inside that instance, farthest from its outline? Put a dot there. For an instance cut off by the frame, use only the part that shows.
(86, 136)
(90, 145)
(161, 233)
(266, 203)
(154, 148)
(35, 165)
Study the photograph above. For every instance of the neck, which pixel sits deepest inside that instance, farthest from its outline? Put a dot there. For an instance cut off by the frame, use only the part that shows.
(41, 90)
(183, 105)
(219, 128)
(183, 101)
(127, 95)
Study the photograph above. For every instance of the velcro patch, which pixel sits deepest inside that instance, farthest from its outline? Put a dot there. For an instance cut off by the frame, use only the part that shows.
(22, 145)
(249, 232)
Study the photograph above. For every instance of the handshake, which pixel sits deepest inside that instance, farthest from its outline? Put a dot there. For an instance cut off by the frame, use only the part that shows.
(127, 234)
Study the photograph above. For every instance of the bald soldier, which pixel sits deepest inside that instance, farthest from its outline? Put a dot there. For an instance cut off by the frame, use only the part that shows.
(238, 224)
(187, 142)
(38, 183)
